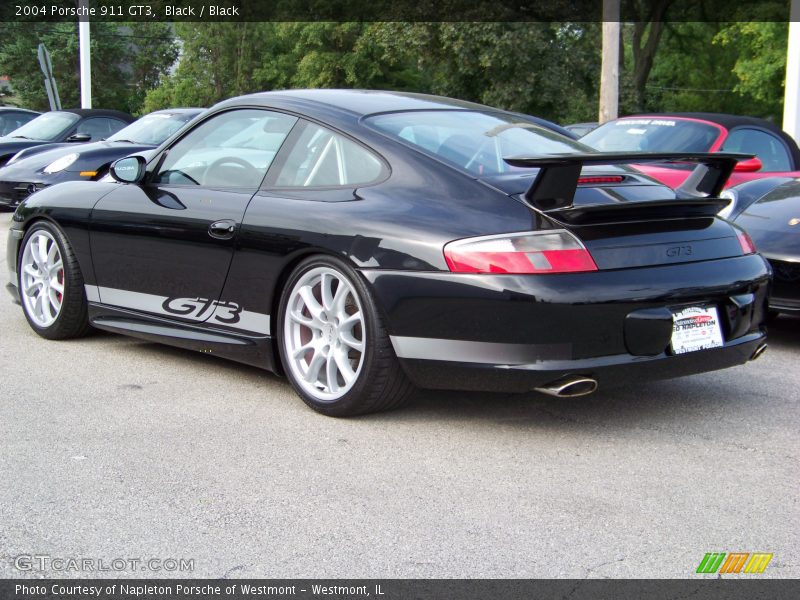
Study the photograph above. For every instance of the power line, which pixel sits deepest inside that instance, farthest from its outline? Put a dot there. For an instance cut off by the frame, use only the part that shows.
(680, 89)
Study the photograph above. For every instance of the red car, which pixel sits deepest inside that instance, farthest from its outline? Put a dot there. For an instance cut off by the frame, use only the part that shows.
(776, 152)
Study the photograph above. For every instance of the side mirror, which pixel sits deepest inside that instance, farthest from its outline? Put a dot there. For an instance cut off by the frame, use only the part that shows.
(129, 169)
(79, 137)
(748, 166)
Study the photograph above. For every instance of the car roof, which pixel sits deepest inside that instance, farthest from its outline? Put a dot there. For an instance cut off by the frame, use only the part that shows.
(367, 102)
(362, 103)
(99, 112)
(183, 110)
(18, 109)
(729, 122)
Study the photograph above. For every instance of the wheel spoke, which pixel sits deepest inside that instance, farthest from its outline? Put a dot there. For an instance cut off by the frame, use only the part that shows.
(331, 374)
(55, 303)
(326, 290)
(348, 338)
(56, 285)
(345, 368)
(350, 321)
(312, 374)
(41, 248)
(303, 320)
(57, 266)
(300, 352)
(338, 302)
(31, 288)
(52, 255)
(314, 307)
(29, 270)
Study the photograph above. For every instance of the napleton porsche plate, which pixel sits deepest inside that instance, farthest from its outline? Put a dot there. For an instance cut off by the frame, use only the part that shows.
(695, 328)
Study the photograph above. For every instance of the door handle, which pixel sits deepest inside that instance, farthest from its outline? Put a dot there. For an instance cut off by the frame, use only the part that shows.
(222, 230)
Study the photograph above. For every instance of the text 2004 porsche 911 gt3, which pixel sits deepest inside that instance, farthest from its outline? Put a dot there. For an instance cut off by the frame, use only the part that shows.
(363, 243)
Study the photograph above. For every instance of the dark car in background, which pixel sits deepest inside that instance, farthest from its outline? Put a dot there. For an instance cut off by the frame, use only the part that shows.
(12, 118)
(74, 125)
(54, 163)
(364, 243)
(769, 210)
(776, 153)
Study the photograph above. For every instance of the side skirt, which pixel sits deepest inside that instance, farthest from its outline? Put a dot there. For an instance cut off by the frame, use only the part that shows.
(250, 350)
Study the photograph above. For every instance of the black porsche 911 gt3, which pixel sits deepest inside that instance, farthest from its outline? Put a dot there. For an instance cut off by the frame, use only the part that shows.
(364, 243)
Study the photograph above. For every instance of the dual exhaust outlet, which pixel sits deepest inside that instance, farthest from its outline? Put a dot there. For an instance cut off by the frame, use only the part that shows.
(574, 387)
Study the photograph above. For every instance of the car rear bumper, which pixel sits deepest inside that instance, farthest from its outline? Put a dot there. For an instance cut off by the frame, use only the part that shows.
(514, 333)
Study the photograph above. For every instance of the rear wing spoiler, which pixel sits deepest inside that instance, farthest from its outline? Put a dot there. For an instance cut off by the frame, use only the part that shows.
(555, 185)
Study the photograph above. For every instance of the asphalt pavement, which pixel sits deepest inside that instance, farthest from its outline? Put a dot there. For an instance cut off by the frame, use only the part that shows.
(116, 449)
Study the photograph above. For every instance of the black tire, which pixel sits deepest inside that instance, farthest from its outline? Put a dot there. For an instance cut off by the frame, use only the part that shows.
(73, 319)
(381, 383)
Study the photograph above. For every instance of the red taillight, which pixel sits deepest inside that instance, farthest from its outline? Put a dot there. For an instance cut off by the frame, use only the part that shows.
(518, 253)
(748, 247)
(600, 179)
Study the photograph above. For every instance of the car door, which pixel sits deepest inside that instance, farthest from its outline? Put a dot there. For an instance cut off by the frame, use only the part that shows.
(164, 246)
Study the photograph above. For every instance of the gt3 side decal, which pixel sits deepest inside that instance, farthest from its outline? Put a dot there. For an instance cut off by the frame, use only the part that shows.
(200, 310)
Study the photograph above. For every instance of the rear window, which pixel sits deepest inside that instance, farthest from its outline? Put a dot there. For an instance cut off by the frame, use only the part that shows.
(474, 141)
(652, 135)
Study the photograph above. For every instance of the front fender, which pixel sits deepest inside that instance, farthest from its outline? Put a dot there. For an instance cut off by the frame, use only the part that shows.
(69, 206)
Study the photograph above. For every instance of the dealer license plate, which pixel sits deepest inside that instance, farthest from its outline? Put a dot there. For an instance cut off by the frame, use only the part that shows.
(695, 328)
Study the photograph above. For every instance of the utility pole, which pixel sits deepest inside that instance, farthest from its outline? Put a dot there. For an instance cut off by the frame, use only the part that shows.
(609, 72)
(791, 98)
(84, 48)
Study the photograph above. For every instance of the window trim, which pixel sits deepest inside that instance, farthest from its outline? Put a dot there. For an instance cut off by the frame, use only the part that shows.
(158, 160)
(784, 145)
(268, 184)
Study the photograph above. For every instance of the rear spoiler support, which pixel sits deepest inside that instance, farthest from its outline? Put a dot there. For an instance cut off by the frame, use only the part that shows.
(555, 185)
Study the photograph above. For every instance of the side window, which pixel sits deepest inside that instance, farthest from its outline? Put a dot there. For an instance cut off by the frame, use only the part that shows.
(231, 149)
(322, 158)
(100, 127)
(768, 148)
(9, 121)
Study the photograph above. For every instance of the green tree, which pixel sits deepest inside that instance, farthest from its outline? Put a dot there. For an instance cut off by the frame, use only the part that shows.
(126, 58)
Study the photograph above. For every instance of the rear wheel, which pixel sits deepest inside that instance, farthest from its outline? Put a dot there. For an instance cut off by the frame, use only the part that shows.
(51, 284)
(334, 347)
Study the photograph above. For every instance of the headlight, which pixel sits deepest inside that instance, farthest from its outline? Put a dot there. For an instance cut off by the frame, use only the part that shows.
(726, 212)
(61, 163)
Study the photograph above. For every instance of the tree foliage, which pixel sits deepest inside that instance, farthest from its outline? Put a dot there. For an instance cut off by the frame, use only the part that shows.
(127, 59)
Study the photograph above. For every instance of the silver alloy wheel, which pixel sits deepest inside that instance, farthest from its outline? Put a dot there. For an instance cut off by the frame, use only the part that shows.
(42, 278)
(323, 334)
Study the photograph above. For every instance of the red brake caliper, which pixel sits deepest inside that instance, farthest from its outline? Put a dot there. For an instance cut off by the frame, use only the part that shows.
(60, 278)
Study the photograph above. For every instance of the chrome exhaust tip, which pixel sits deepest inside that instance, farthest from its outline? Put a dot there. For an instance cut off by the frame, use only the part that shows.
(569, 388)
(759, 351)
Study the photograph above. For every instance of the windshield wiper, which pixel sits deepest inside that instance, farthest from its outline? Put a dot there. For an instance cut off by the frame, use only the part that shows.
(124, 141)
(21, 137)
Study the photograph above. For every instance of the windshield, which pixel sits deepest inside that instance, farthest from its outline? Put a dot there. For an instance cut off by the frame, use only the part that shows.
(652, 135)
(48, 127)
(152, 129)
(475, 142)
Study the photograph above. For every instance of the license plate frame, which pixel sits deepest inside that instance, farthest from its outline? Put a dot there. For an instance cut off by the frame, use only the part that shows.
(695, 328)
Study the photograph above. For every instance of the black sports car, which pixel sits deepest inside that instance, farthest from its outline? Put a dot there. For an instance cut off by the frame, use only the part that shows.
(363, 243)
(769, 210)
(53, 163)
(12, 118)
(75, 125)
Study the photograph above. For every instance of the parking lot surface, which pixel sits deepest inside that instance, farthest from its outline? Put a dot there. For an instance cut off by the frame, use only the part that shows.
(113, 448)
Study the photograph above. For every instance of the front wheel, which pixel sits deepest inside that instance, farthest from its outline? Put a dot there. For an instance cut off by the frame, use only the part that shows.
(334, 347)
(51, 285)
